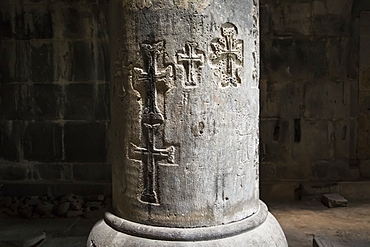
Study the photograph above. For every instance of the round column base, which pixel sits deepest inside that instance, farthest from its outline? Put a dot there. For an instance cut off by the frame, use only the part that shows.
(261, 229)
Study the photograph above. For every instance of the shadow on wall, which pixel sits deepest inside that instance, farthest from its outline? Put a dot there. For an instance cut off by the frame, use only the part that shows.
(54, 96)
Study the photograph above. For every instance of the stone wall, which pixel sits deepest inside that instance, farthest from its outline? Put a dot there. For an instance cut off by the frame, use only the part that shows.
(314, 130)
(363, 142)
(54, 73)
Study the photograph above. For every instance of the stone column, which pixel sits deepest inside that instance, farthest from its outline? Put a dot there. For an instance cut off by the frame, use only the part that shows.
(184, 126)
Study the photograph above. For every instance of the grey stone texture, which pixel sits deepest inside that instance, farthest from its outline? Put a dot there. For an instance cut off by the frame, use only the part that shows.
(338, 242)
(184, 126)
(54, 85)
(314, 95)
(334, 200)
(267, 234)
(194, 122)
(54, 72)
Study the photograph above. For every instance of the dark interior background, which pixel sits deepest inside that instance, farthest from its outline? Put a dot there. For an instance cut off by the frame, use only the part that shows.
(315, 97)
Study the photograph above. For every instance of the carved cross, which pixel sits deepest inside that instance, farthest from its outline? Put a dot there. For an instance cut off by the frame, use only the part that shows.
(191, 60)
(150, 157)
(228, 55)
(152, 114)
(152, 119)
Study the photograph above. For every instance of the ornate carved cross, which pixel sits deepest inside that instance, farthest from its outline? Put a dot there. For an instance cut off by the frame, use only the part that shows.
(152, 119)
(228, 55)
(191, 60)
(151, 77)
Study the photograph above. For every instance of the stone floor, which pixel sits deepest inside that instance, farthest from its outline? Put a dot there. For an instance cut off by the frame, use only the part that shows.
(332, 227)
(301, 221)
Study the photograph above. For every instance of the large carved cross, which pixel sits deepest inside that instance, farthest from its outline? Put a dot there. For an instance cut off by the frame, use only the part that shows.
(191, 60)
(229, 50)
(152, 119)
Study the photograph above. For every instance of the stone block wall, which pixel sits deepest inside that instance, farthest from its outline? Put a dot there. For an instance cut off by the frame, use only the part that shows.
(363, 142)
(313, 123)
(54, 106)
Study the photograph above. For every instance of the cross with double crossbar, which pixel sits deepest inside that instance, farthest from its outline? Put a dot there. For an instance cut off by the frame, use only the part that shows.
(152, 119)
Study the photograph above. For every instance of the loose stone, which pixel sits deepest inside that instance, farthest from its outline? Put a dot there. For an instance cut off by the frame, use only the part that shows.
(334, 200)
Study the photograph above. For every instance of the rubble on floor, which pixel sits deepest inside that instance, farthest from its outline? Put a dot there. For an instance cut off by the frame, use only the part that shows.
(69, 205)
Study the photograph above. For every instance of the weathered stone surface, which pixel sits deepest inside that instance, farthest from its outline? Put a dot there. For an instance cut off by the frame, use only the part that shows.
(42, 60)
(192, 116)
(292, 18)
(269, 233)
(31, 22)
(328, 170)
(10, 135)
(76, 23)
(184, 126)
(13, 171)
(46, 49)
(54, 172)
(334, 200)
(37, 102)
(309, 50)
(363, 150)
(328, 241)
(77, 204)
(44, 208)
(84, 95)
(9, 102)
(96, 172)
(6, 22)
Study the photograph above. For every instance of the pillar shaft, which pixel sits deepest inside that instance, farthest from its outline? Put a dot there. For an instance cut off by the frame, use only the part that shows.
(184, 118)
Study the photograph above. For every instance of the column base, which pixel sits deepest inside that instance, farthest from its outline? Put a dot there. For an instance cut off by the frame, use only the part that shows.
(261, 229)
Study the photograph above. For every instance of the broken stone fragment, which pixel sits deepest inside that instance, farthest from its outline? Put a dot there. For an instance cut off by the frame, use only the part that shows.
(68, 198)
(44, 208)
(33, 200)
(77, 204)
(334, 200)
(63, 208)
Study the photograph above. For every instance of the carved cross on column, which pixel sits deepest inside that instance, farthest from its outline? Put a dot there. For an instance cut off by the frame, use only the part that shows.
(191, 60)
(150, 157)
(227, 55)
(152, 119)
(151, 77)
